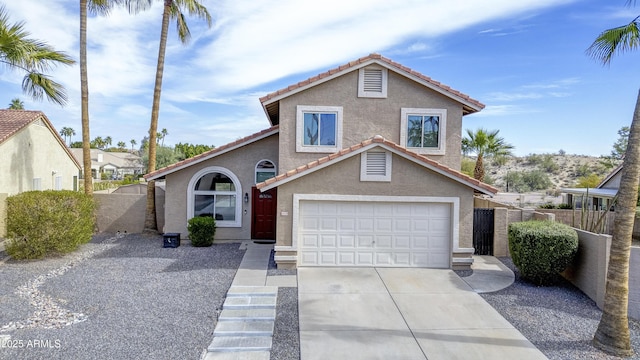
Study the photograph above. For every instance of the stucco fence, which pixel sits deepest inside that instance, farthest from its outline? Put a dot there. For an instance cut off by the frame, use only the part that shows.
(123, 210)
(588, 272)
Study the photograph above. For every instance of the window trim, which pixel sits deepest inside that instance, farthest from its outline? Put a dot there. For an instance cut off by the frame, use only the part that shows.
(191, 193)
(442, 131)
(300, 111)
(373, 94)
(363, 166)
(255, 170)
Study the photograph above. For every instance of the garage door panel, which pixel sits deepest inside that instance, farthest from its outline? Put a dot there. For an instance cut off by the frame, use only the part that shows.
(329, 241)
(347, 241)
(364, 233)
(384, 242)
(365, 241)
(347, 258)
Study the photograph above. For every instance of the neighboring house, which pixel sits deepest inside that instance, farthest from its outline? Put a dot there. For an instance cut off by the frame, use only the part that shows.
(33, 156)
(360, 167)
(599, 198)
(114, 164)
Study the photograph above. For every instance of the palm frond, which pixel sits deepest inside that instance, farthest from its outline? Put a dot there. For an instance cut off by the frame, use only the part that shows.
(613, 41)
(38, 85)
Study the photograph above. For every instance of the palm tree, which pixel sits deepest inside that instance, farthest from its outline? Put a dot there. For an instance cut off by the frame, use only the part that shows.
(612, 334)
(67, 133)
(16, 104)
(484, 143)
(173, 9)
(121, 145)
(133, 143)
(35, 57)
(163, 134)
(108, 141)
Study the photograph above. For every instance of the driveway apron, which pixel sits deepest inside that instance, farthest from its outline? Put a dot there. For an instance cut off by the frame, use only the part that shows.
(400, 313)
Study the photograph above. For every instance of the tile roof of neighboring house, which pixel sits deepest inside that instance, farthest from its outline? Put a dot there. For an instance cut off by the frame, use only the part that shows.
(212, 153)
(470, 105)
(118, 159)
(363, 146)
(13, 121)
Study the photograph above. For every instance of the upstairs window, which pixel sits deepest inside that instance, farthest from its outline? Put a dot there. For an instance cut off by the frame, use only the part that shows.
(372, 82)
(318, 128)
(423, 130)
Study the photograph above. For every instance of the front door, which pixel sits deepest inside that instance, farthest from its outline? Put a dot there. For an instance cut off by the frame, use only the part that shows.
(264, 207)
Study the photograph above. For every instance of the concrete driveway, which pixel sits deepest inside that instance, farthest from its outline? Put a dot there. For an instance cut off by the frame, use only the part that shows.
(398, 313)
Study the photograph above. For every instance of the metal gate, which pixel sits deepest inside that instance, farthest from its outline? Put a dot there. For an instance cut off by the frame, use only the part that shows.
(483, 231)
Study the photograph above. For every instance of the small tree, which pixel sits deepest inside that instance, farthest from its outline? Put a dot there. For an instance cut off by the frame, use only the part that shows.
(484, 143)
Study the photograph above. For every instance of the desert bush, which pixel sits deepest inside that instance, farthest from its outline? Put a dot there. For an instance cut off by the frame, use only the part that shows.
(525, 181)
(565, 206)
(541, 249)
(467, 166)
(499, 160)
(547, 206)
(42, 223)
(590, 181)
(202, 230)
(548, 164)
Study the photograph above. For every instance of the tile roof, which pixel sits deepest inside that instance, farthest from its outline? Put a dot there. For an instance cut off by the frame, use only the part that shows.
(447, 171)
(211, 153)
(12, 121)
(381, 60)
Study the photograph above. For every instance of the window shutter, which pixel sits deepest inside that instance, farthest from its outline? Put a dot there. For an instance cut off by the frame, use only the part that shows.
(373, 80)
(376, 163)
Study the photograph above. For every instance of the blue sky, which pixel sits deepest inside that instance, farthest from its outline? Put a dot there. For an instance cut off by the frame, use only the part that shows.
(524, 59)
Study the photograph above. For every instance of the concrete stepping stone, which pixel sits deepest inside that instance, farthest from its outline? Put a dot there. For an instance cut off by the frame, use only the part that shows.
(247, 314)
(240, 343)
(249, 302)
(235, 291)
(244, 328)
(238, 355)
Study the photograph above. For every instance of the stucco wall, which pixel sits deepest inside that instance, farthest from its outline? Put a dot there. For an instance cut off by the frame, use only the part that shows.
(364, 118)
(408, 179)
(3, 215)
(242, 163)
(120, 212)
(34, 152)
(588, 271)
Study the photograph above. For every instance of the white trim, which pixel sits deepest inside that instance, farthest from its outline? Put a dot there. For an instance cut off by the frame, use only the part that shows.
(395, 69)
(373, 94)
(212, 155)
(454, 201)
(442, 130)
(300, 147)
(364, 167)
(255, 169)
(370, 146)
(238, 193)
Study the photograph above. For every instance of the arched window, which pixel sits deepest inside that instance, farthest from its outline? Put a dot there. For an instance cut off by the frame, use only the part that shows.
(265, 169)
(215, 192)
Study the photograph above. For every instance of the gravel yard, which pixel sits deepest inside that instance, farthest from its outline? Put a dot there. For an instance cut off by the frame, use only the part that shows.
(559, 320)
(117, 298)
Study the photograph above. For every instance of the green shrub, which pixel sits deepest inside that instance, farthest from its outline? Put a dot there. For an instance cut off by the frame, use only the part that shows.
(541, 249)
(42, 223)
(565, 206)
(547, 206)
(201, 229)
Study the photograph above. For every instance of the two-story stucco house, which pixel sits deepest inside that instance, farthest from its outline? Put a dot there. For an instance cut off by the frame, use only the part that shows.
(360, 167)
(33, 156)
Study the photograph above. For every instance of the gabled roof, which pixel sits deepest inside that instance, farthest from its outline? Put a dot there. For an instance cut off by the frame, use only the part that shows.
(212, 153)
(611, 175)
(13, 121)
(122, 160)
(270, 101)
(377, 141)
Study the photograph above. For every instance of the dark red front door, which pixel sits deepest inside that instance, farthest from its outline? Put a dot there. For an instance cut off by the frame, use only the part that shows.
(264, 207)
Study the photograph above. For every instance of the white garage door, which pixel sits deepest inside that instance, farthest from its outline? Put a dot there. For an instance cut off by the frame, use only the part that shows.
(352, 233)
